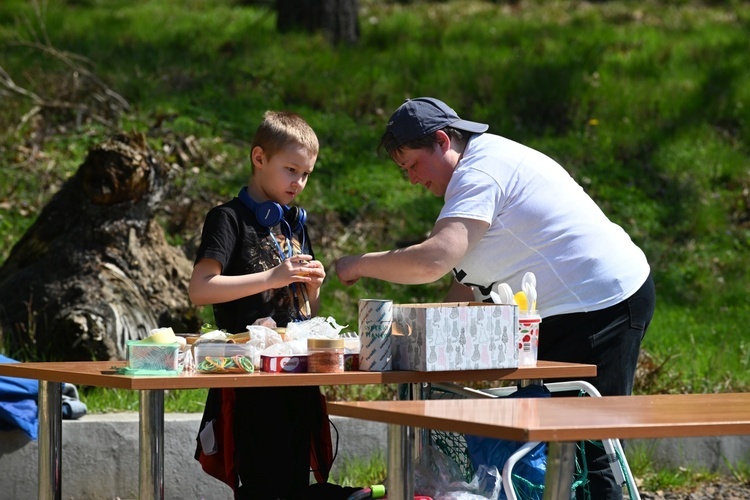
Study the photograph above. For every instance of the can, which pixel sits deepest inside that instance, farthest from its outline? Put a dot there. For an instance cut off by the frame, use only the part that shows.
(375, 321)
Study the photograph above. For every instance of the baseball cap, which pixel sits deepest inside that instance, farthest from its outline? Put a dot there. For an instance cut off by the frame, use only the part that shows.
(421, 116)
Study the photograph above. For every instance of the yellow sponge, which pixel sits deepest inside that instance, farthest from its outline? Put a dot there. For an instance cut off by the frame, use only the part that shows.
(161, 336)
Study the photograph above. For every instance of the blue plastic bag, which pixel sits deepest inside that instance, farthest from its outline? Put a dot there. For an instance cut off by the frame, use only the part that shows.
(491, 451)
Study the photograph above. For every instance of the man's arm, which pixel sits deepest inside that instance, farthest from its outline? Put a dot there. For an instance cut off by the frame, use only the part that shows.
(424, 262)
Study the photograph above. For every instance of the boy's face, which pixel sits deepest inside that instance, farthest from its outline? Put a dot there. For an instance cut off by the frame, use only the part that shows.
(284, 175)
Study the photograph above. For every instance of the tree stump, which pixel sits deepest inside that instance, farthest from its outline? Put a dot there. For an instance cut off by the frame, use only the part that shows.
(95, 269)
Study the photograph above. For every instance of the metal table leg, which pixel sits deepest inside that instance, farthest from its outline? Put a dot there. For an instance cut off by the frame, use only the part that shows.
(50, 440)
(400, 462)
(561, 459)
(151, 445)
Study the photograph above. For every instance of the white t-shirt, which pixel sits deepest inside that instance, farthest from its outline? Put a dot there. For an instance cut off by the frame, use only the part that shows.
(542, 221)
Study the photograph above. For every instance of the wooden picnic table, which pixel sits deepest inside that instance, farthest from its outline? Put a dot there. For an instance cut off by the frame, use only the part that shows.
(52, 375)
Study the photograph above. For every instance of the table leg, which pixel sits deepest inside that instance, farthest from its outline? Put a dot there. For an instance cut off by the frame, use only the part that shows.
(50, 440)
(421, 437)
(400, 462)
(151, 445)
(561, 459)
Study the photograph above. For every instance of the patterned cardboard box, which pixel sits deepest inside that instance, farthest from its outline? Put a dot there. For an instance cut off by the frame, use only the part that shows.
(454, 336)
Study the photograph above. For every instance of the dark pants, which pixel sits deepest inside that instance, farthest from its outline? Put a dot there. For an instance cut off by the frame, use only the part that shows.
(611, 340)
(272, 431)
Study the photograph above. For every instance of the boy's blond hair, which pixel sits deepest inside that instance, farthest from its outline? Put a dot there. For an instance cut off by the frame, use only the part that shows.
(280, 129)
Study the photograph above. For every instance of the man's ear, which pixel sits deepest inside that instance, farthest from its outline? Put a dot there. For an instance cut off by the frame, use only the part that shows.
(443, 140)
(258, 157)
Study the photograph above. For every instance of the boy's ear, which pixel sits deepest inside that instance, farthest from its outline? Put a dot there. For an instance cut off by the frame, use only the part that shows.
(258, 157)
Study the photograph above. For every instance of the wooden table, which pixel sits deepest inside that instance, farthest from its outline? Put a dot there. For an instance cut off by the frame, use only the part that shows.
(52, 375)
(559, 421)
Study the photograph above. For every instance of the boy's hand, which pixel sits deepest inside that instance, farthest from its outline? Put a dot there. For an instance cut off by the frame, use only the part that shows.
(301, 269)
(315, 271)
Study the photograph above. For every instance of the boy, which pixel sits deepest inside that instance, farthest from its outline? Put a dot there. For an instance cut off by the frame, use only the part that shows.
(255, 261)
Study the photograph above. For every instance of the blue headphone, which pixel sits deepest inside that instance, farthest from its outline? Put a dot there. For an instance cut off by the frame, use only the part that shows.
(269, 213)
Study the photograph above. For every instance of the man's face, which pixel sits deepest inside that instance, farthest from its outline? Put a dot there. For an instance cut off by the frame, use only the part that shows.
(429, 167)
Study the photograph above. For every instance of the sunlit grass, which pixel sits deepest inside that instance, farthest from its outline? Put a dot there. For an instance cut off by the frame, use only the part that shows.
(651, 477)
(104, 400)
(360, 471)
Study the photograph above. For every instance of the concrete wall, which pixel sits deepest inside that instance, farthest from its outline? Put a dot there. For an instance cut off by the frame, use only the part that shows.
(100, 456)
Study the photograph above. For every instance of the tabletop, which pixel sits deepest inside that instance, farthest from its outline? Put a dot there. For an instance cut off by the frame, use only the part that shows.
(567, 418)
(102, 374)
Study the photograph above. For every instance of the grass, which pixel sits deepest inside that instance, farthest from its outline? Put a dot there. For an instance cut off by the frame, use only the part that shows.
(104, 400)
(359, 471)
(683, 478)
(647, 106)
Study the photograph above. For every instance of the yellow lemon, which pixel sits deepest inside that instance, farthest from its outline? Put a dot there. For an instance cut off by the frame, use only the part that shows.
(521, 301)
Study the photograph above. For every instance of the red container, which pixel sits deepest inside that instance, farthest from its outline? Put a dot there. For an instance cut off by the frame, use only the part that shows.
(284, 364)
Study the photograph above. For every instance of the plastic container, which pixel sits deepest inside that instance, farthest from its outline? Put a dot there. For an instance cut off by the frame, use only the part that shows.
(150, 356)
(213, 357)
(284, 364)
(528, 338)
(325, 355)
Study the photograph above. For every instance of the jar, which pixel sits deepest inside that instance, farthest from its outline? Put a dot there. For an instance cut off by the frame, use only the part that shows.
(325, 355)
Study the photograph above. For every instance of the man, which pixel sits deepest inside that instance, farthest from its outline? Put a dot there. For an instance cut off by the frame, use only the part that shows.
(510, 209)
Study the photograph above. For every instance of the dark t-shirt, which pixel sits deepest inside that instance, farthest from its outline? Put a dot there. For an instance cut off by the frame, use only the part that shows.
(233, 237)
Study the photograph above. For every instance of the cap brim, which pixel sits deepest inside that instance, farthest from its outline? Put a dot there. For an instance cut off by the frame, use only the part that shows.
(468, 126)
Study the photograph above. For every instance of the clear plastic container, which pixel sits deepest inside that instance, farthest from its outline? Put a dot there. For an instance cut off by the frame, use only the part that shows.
(325, 355)
(220, 357)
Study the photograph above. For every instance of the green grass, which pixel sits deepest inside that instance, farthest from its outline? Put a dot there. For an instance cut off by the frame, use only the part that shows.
(683, 478)
(359, 471)
(103, 400)
(647, 105)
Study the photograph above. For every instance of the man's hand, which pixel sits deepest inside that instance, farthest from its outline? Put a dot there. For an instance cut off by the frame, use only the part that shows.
(345, 269)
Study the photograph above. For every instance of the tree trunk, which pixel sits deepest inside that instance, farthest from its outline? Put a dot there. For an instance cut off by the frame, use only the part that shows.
(95, 270)
(338, 19)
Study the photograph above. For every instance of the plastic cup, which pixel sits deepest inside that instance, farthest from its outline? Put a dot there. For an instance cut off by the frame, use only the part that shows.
(528, 338)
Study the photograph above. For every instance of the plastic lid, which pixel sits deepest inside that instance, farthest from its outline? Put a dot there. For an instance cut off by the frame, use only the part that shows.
(532, 317)
(325, 343)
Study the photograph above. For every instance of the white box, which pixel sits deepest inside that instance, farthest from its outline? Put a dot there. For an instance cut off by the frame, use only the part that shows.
(454, 336)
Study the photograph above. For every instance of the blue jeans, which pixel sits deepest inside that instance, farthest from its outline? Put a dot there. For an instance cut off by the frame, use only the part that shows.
(611, 340)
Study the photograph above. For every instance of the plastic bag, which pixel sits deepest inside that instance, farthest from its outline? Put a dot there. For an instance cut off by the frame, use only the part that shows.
(317, 327)
(495, 452)
(439, 477)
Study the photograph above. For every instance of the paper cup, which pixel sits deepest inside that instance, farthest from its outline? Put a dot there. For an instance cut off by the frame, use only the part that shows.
(528, 338)
(375, 321)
